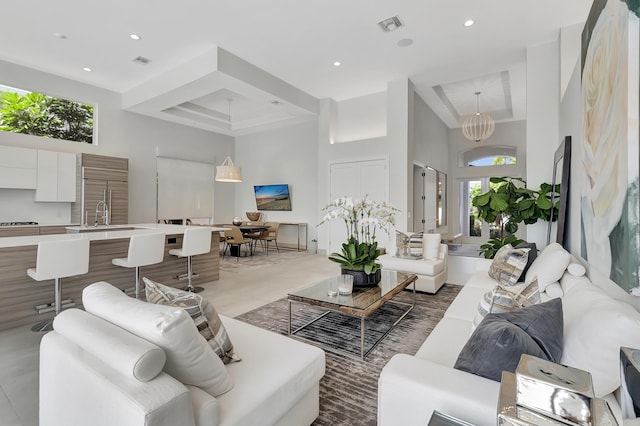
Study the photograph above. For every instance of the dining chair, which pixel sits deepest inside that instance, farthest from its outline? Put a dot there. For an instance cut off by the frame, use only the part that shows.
(236, 239)
(270, 235)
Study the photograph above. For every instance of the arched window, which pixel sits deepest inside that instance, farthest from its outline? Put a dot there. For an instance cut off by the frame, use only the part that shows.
(488, 156)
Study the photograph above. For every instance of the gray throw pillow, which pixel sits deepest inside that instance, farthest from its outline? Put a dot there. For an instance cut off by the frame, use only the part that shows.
(533, 253)
(498, 342)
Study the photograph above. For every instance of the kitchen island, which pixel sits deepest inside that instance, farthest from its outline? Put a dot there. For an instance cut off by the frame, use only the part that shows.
(19, 294)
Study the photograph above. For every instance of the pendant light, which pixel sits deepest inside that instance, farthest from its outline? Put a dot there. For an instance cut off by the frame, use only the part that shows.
(228, 172)
(479, 126)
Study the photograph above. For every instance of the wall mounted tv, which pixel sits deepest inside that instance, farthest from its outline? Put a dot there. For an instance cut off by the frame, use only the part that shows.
(272, 197)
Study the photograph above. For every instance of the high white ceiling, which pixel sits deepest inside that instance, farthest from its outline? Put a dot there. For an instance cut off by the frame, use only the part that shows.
(295, 43)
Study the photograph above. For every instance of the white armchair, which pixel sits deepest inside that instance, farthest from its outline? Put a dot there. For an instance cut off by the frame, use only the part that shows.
(432, 272)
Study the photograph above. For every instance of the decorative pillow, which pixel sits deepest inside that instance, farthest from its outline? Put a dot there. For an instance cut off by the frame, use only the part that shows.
(121, 350)
(554, 290)
(501, 339)
(431, 246)
(408, 245)
(202, 313)
(549, 265)
(576, 269)
(508, 264)
(509, 299)
(533, 253)
(189, 358)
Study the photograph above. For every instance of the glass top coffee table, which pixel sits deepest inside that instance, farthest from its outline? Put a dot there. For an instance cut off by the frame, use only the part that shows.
(363, 302)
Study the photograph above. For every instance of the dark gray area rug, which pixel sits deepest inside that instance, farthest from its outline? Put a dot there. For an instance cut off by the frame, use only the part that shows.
(349, 388)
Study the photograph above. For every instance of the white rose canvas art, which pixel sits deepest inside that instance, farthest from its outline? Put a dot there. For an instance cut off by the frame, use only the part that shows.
(610, 202)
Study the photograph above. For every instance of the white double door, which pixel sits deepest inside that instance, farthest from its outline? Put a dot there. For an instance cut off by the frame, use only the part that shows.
(357, 179)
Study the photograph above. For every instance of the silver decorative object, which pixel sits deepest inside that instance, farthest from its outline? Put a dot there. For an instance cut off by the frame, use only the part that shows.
(542, 393)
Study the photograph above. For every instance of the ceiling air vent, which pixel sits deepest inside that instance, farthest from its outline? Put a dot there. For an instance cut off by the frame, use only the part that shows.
(390, 24)
(141, 60)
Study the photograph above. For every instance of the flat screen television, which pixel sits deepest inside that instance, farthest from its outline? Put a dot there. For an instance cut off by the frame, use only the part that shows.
(272, 197)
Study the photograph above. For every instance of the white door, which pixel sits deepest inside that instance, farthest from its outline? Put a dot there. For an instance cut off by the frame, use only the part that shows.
(356, 179)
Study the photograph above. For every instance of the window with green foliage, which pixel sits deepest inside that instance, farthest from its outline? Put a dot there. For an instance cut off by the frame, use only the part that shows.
(41, 115)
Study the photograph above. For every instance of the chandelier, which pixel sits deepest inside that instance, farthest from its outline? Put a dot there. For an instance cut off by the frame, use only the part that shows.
(479, 126)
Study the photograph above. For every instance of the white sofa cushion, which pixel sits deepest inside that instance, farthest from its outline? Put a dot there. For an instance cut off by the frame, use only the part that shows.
(122, 351)
(265, 387)
(189, 358)
(416, 266)
(431, 246)
(549, 265)
(596, 326)
(445, 341)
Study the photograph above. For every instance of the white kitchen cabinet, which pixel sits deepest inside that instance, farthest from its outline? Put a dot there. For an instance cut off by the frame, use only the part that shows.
(56, 177)
(18, 167)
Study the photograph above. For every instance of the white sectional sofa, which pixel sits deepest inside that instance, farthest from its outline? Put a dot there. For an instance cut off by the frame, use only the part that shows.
(95, 373)
(412, 387)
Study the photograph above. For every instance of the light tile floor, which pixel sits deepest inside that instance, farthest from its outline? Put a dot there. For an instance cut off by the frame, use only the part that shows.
(238, 291)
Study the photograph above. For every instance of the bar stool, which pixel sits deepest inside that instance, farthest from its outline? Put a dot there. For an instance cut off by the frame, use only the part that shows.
(196, 240)
(144, 249)
(56, 260)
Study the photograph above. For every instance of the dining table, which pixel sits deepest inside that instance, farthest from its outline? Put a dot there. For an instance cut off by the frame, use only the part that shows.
(246, 229)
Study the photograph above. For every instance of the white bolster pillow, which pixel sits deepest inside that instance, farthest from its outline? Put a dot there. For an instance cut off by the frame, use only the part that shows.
(124, 352)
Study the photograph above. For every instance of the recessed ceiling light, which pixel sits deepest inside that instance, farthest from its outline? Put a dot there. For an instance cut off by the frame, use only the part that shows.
(60, 36)
(469, 22)
(337, 63)
(134, 36)
(405, 42)
(87, 69)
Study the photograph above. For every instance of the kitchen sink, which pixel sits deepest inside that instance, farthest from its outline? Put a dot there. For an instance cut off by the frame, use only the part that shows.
(100, 228)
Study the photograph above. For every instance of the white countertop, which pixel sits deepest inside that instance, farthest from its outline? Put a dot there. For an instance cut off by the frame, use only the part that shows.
(140, 228)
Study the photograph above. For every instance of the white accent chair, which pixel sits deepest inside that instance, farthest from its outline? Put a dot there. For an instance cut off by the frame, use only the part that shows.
(432, 269)
(57, 260)
(144, 249)
(196, 241)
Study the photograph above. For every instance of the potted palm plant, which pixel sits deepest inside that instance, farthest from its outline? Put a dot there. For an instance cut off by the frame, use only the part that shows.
(362, 218)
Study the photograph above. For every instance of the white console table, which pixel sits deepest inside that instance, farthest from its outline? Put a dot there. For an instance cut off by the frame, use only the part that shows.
(299, 226)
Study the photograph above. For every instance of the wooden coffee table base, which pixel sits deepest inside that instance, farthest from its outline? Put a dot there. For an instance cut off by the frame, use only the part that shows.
(363, 353)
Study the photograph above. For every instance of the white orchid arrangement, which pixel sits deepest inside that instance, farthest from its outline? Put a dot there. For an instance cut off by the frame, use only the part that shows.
(362, 218)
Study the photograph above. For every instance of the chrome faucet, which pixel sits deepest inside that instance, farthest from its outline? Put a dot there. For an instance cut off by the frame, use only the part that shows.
(105, 213)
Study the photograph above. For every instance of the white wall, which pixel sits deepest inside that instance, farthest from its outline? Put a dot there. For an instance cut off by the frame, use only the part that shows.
(120, 134)
(430, 148)
(431, 135)
(281, 156)
(543, 138)
(364, 117)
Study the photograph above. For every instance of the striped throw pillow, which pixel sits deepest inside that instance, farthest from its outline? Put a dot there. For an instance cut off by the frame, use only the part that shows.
(501, 299)
(508, 264)
(202, 313)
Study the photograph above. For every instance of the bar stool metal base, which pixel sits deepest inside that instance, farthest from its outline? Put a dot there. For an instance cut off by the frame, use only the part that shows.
(190, 287)
(43, 326)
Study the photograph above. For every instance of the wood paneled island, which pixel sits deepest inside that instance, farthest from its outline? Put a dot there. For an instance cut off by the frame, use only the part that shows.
(19, 294)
